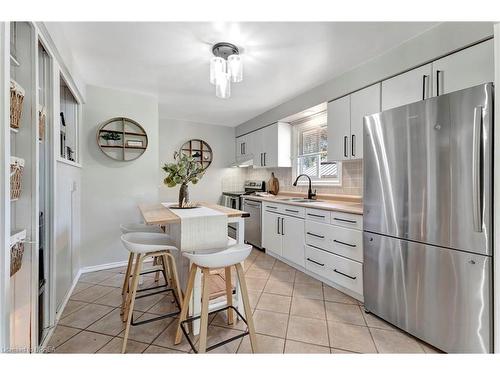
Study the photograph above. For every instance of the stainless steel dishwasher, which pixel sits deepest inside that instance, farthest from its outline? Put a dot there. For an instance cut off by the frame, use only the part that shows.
(253, 230)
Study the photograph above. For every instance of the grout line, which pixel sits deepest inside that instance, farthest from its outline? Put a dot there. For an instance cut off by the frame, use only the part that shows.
(326, 316)
(369, 330)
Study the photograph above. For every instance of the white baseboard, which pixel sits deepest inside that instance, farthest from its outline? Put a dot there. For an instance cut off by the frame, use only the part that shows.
(105, 266)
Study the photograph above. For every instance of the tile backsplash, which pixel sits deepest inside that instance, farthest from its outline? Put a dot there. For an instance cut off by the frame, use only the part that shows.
(352, 179)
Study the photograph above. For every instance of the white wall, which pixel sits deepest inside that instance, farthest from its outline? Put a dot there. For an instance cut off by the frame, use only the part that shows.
(438, 41)
(173, 134)
(111, 190)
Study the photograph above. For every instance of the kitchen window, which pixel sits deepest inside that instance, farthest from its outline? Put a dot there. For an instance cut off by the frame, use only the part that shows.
(311, 148)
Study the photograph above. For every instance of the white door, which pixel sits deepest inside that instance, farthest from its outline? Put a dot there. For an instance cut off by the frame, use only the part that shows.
(257, 148)
(469, 67)
(271, 237)
(363, 102)
(339, 129)
(292, 230)
(243, 147)
(406, 88)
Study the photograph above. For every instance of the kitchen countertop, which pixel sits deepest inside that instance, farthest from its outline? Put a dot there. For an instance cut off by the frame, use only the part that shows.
(352, 205)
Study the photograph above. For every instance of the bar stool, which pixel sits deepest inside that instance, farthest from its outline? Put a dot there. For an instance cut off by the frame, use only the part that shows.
(207, 260)
(140, 227)
(142, 245)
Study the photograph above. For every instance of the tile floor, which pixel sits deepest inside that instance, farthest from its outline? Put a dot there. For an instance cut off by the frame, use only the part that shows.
(293, 313)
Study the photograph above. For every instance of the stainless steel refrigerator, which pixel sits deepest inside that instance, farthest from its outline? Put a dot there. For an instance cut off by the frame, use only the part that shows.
(428, 196)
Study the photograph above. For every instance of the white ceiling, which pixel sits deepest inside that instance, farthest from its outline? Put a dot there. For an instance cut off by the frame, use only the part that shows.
(281, 60)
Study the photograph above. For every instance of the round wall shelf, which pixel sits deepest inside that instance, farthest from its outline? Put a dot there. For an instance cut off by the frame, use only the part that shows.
(199, 150)
(122, 139)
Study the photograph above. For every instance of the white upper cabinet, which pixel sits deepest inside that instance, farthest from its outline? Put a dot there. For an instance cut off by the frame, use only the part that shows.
(269, 146)
(244, 147)
(467, 68)
(406, 88)
(345, 122)
(363, 102)
(339, 128)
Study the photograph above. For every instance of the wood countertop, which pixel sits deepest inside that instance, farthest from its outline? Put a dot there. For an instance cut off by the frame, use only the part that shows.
(351, 207)
(158, 214)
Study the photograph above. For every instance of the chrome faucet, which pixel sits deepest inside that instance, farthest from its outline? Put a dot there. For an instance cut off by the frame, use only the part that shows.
(310, 194)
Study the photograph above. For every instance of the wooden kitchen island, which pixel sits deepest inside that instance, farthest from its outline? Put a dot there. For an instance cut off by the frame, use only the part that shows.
(158, 214)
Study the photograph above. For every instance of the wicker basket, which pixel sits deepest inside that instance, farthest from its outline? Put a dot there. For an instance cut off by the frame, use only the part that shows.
(16, 251)
(16, 104)
(16, 175)
(42, 118)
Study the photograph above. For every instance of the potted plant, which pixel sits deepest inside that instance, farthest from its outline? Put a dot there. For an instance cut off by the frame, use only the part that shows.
(184, 170)
(112, 138)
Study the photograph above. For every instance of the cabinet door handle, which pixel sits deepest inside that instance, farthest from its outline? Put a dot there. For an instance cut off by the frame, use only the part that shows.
(344, 274)
(315, 235)
(318, 263)
(294, 211)
(273, 207)
(345, 220)
(244, 148)
(282, 226)
(438, 74)
(345, 146)
(424, 78)
(315, 215)
(278, 222)
(265, 159)
(344, 243)
(353, 141)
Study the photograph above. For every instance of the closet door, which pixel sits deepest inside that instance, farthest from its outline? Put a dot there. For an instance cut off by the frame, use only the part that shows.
(406, 88)
(469, 67)
(339, 129)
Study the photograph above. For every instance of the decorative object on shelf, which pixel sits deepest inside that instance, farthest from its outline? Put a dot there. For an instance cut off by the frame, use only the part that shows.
(199, 150)
(16, 104)
(226, 66)
(273, 185)
(70, 153)
(126, 140)
(16, 176)
(184, 170)
(16, 251)
(42, 119)
(112, 138)
(62, 137)
(135, 143)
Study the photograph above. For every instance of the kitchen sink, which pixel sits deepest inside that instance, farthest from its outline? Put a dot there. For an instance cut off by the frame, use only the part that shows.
(299, 200)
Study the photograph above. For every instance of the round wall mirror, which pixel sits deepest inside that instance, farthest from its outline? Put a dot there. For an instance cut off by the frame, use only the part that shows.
(199, 150)
(122, 139)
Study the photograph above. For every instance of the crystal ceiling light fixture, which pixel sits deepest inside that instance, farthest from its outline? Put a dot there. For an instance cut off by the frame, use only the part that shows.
(225, 67)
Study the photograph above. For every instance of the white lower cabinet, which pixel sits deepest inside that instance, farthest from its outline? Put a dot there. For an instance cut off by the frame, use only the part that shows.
(283, 235)
(342, 271)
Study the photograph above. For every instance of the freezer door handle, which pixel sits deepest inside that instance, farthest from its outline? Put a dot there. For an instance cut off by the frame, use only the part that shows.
(476, 169)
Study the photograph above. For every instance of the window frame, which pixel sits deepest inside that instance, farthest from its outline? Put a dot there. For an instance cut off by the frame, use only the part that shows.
(298, 127)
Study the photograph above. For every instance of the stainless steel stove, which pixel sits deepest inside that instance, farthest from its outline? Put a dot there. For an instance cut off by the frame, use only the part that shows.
(236, 200)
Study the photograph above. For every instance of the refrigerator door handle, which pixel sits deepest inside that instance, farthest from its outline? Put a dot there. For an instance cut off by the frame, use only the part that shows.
(476, 169)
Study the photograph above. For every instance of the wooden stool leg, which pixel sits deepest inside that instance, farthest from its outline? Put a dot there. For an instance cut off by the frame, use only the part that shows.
(130, 305)
(157, 274)
(126, 281)
(229, 295)
(202, 347)
(246, 306)
(170, 260)
(185, 302)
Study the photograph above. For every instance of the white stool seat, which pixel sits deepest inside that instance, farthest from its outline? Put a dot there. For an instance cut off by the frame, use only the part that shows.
(222, 258)
(147, 242)
(138, 227)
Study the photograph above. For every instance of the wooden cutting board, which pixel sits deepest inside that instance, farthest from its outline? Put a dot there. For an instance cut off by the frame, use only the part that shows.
(273, 185)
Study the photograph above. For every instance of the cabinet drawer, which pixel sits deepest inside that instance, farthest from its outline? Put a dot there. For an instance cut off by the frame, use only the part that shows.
(318, 235)
(345, 272)
(321, 216)
(271, 206)
(343, 219)
(346, 242)
(293, 210)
